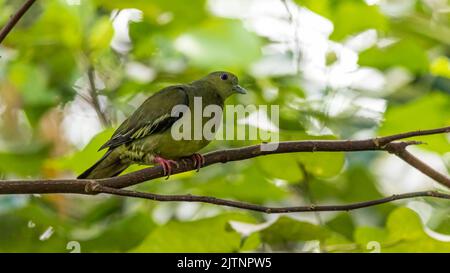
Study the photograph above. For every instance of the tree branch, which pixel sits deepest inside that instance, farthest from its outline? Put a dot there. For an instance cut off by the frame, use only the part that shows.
(113, 185)
(387, 139)
(97, 188)
(14, 19)
(402, 153)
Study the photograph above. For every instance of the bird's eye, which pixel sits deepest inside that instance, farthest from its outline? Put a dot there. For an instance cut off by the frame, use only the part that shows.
(224, 77)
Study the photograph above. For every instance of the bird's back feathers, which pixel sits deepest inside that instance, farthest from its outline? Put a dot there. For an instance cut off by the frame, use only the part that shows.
(152, 117)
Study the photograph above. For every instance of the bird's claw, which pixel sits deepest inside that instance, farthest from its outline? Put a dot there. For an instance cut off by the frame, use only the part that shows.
(199, 160)
(166, 165)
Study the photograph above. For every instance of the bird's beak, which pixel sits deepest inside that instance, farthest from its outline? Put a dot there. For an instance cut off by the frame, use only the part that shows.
(239, 89)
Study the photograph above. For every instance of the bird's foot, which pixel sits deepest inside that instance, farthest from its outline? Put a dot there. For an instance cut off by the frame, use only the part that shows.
(199, 160)
(166, 165)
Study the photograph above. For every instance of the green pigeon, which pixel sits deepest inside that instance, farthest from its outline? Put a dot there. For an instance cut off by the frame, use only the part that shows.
(146, 136)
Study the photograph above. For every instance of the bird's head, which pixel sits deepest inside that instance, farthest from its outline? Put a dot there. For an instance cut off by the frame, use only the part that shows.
(225, 83)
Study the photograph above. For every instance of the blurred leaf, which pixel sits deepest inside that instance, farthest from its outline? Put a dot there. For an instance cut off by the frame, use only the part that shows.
(205, 235)
(101, 34)
(404, 232)
(220, 44)
(440, 220)
(85, 158)
(338, 243)
(144, 45)
(157, 10)
(21, 230)
(104, 209)
(319, 7)
(64, 22)
(238, 181)
(351, 17)
(323, 164)
(122, 235)
(364, 235)
(441, 67)
(360, 184)
(31, 81)
(404, 53)
(251, 243)
(355, 184)
(287, 229)
(23, 162)
(342, 224)
(282, 166)
(427, 112)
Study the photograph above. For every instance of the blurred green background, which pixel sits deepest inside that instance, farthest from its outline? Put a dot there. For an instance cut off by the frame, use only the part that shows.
(337, 69)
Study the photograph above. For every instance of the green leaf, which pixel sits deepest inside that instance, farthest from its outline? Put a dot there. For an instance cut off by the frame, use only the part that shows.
(23, 162)
(205, 235)
(63, 20)
(282, 166)
(348, 17)
(127, 233)
(287, 229)
(101, 34)
(323, 164)
(427, 112)
(440, 220)
(441, 67)
(237, 181)
(81, 160)
(220, 44)
(352, 17)
(320, 7)
(404, 232)
(31, 81)
(153, 10)
(405, 53)
(360, 184)
(343, 224)
(365, 235)
(405, 223)
(21, 229)
(250, 243)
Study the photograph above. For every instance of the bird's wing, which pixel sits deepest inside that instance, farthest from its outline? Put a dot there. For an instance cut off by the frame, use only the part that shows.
(153, 116)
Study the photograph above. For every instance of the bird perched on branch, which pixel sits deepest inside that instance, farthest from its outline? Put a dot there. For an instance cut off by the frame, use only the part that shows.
(146, 136)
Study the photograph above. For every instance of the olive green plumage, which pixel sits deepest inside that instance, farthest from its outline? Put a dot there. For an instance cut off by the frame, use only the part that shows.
(147, 132)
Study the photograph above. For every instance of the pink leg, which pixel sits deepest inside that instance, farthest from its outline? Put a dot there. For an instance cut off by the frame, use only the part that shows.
(165, 164)
(199, 160)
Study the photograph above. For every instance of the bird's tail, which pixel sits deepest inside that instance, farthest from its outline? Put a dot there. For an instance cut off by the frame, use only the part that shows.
(108, 166)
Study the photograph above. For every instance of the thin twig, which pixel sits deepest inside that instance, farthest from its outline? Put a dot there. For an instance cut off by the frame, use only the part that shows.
(385, 140)
(94, 98)
(253, 207)
(14, 19)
